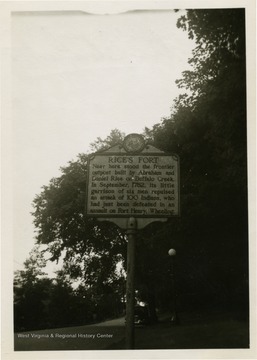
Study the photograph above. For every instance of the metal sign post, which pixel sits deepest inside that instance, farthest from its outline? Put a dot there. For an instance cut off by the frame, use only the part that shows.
(132, 185)
(130, 288)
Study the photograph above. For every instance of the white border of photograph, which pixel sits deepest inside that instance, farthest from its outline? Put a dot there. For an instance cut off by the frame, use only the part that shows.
(8, 199)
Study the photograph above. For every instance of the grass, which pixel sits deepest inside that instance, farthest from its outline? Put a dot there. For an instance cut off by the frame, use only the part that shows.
(197, 331)
(203, 330)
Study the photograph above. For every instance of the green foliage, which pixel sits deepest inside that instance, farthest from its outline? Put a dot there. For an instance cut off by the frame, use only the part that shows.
(207, 129)
(33, 267)
(41, 303)
(220, 44)
(30, 291)
(115, 137)
(90, 250)
(85, 244)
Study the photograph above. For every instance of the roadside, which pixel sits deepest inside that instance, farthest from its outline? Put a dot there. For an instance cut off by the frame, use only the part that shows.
(89, 337)
(209, 330)
(195, 331)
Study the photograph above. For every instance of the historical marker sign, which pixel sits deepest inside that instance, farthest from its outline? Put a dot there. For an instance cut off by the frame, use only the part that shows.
(135, 181)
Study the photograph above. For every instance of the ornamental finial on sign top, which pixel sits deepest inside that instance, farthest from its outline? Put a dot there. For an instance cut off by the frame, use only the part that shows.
(134, 143)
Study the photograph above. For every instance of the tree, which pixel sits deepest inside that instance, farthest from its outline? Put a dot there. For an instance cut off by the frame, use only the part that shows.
(61, 223)
(115, 137)
(90, 250)
(64, 306)
(31, 289)
(207, 128)
(220, 47)
(41, 303)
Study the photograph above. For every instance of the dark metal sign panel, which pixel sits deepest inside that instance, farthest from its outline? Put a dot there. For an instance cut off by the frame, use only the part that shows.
(130, 185)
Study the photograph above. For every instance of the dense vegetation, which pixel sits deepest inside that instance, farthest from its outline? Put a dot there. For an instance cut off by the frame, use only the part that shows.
(207, 129)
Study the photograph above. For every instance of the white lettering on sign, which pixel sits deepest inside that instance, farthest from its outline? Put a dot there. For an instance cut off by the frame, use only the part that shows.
(139, 185)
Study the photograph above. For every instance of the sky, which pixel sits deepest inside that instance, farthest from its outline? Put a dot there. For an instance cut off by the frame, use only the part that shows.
(75, 77)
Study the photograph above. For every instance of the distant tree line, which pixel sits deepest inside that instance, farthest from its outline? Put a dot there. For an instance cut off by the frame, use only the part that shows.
(41, 302)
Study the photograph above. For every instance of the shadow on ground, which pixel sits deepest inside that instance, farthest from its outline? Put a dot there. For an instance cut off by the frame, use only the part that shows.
(195, 331)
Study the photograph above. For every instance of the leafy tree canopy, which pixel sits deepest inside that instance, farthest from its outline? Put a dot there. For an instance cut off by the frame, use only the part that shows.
(220, 46)
(207, 128)
(115, 137)
(90, 249)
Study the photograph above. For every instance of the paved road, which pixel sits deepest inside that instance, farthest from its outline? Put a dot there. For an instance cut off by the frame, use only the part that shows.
(89, 337)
